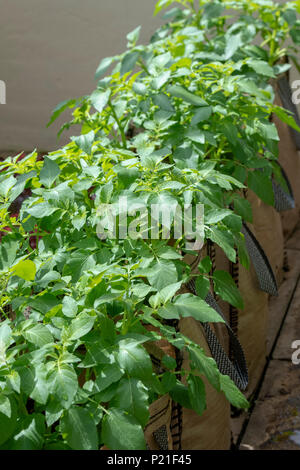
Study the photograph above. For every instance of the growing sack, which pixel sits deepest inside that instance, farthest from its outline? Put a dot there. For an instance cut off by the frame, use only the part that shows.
(289, 159)
(158, 430)
(267, 228)
(211, 430)
(252, 323)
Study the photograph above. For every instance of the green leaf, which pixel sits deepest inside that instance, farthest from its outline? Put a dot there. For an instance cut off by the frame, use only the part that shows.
(180, 394)
(161, 80)
(133, 37)
(40, 391)
(188, 305)
(162, 101)
(85, 142)
(99, 99)
(80, 326)
(109, 374)
(168, 381)
(261, 67)
(205, 265)
(185, 95)
(5, 406)
(205, 365)
(8, 417)
(30, 433)
(232, 393)
(202, 286)
(197, 393)
(224, 240)
(202, 114)
(132, 396)
(69, 307)
(225, 287)
(25, 270)
(49, 172)
(79, 429)
(5, 335)
(134, 359)
(129, 61)
(8, 252)
(6, 184)
(285, 117)
(216, 215)
(60, 108)
(121, 431)
(38, 334)
(103, 66)
(169, 362)
(63, 384)
(243, 208)
(161, 274)
(261, 185)
(232, 45)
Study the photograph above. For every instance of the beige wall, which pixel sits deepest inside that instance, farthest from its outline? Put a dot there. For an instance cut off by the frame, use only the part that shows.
(49, 51)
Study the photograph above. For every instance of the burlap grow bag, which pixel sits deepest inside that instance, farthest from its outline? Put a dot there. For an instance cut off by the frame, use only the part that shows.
(267, 228)
(211, 430)
(289, 159)
(252, 323)
(158, 430)
(249, 324)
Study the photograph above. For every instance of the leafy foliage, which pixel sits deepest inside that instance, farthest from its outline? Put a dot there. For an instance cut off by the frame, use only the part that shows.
(184, 119)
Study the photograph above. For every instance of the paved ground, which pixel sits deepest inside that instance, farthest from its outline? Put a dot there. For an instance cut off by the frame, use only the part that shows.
(273, 422)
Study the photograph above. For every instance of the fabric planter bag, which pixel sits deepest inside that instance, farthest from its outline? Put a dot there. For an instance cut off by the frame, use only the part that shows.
(289, 160)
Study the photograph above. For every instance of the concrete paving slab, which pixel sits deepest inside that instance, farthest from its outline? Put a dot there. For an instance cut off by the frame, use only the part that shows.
(278, 305)
(275, 421)
(290, 331)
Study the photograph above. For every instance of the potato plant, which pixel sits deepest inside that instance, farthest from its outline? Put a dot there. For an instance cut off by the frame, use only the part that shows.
(182, 120)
